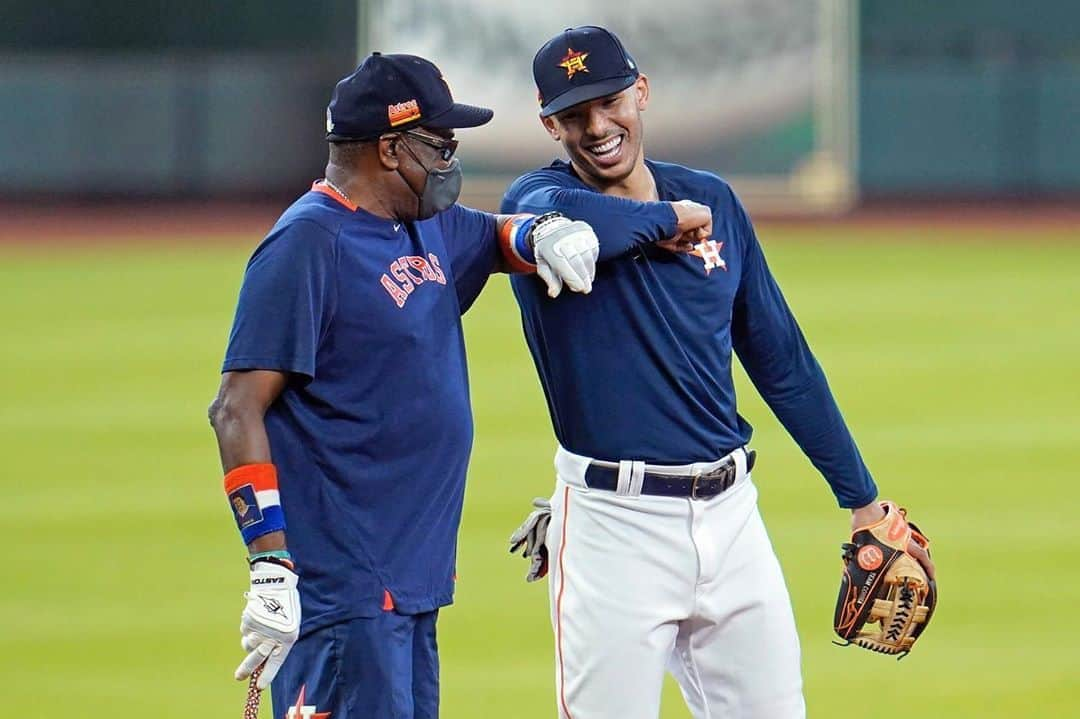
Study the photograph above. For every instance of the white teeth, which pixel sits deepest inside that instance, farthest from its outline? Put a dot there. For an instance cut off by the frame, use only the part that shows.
(607, 146)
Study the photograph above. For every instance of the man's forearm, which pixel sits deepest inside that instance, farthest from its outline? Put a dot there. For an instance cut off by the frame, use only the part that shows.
(241, 434)
(243, 441)
(620, 224)
(237, 417)
(268, 543)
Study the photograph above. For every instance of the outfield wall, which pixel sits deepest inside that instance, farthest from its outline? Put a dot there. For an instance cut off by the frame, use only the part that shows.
(967, 98)
(169, 97)
(182, 99)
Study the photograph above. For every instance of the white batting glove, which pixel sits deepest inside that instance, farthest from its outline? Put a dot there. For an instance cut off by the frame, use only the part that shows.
(566, 251)
(532, 534)
(270, 622)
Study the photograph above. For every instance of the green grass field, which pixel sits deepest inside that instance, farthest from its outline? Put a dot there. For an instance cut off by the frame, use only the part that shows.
(956, 364)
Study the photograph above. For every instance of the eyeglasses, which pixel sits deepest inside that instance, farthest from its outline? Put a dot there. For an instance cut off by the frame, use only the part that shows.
(446, 148)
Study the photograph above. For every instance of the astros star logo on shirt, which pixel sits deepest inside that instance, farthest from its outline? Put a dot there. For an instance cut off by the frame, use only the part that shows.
(709, 251)
(574, 62)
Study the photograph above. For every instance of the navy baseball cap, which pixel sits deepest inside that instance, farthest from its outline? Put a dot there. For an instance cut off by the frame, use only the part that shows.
(581, 64)
(388, 93)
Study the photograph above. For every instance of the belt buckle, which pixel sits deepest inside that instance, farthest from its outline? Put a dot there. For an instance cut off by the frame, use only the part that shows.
(693, 486)
(725, 474)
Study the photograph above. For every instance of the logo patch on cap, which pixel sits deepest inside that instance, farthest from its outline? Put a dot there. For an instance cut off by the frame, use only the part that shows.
(329, 121)
(403, 112)
(574, 62)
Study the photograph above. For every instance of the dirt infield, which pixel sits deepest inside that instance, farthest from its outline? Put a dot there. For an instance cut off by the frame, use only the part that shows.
(212, 222)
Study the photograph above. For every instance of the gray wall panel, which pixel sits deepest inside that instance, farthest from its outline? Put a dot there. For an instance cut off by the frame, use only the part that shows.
(76, 126)
(1058, 124)
(928, 131)
(266, 124)
(958, 101)
(157, 126)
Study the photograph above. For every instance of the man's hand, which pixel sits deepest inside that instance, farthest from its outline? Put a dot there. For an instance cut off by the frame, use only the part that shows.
(532, 535)
(694, 225)
(270, 622)
(566, 252)
(871, 514)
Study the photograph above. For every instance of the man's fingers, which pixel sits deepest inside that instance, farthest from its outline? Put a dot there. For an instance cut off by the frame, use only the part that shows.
(566, 254)
(691, 215)
(670, 246)
(589, 254)
(270, 670)
(533, 541)
(537, 570)
(254, 658)
(553, 281)
(682, 242)
(250, 641)
(919, 552)
(518, 536)
(580, 265)
(539, 567)
(586, 244)
(698, 234)
(562, 267)
(532, 534)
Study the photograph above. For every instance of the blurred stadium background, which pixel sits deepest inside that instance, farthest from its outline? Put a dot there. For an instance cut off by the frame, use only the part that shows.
(914, 169)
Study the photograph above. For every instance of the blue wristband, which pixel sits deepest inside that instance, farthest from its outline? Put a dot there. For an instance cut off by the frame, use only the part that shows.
(514, 243)
(522, 245)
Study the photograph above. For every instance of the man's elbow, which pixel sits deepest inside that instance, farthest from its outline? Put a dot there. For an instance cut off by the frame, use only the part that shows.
(225, 411)
(213, 412)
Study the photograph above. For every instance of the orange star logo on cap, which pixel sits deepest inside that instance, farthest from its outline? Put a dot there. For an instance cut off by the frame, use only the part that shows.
(574, 62)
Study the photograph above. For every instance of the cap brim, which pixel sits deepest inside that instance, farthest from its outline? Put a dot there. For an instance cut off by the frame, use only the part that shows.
(459, 116)
(587, 92)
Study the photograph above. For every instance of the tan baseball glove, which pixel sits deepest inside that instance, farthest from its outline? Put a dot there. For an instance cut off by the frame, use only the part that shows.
(886, 597)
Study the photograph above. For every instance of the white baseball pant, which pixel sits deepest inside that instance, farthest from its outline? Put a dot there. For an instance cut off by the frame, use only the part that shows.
(642, 583)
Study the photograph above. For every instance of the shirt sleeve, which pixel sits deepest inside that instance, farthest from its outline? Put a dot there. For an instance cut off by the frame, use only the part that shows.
(469, 236)
(620, 224)
(779, 362)
(286, 301)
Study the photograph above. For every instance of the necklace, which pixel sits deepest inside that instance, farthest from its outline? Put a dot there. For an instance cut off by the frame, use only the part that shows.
(335, 188)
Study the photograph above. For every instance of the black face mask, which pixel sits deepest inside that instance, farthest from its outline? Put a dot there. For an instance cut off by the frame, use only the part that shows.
(441, 187)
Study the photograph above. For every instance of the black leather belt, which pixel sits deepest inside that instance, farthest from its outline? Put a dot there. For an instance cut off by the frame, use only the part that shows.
(695, 486)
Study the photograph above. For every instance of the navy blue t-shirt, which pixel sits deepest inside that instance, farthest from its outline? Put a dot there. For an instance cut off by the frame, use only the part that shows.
(640, 369)
(372, 435)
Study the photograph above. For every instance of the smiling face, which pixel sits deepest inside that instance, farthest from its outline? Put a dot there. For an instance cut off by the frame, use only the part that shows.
(603, 137)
